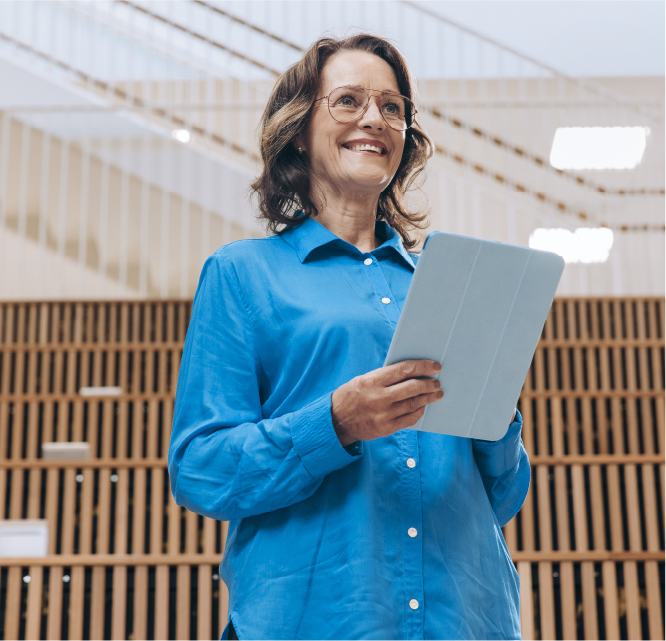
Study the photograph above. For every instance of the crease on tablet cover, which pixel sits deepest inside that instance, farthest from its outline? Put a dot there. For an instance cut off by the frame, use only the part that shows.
(499, 344)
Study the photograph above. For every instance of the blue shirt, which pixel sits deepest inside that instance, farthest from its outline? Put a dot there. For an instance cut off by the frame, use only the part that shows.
(394, 538)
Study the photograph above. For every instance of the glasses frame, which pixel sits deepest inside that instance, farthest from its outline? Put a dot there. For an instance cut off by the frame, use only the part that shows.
(367, 105)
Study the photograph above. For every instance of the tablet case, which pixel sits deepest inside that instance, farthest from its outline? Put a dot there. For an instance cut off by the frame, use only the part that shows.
(478, 307)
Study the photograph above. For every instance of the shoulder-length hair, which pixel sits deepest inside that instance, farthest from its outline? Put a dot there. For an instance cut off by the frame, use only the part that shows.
(284, 186)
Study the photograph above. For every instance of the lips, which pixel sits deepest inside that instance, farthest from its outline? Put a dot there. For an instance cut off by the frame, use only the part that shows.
(368, 146)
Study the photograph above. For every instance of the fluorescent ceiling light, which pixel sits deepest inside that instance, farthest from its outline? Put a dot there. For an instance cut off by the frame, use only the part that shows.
(181, 135)
(585, 245)
(598, 147)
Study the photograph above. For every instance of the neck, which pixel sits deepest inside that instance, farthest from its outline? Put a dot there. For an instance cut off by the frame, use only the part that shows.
(352, 220)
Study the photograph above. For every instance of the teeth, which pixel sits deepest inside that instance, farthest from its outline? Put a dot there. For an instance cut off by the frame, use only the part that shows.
(366, 147)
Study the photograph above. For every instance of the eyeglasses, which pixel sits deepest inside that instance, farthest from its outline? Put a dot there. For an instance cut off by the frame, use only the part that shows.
(346, 104)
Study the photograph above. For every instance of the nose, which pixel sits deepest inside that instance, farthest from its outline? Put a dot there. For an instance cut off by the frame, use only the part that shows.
(372, 118)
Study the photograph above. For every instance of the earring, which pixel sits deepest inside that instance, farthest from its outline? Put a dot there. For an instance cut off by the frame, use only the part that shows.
(300, 151)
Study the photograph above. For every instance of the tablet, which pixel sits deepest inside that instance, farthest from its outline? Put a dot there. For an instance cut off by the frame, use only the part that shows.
(478, 307)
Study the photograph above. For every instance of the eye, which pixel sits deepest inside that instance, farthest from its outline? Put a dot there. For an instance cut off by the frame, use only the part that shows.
(346, 101)
(392, 108)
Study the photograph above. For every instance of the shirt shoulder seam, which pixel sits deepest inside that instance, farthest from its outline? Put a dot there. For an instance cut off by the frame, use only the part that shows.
(220, 250)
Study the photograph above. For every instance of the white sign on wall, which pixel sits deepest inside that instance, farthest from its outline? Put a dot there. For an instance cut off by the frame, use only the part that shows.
(24, 538)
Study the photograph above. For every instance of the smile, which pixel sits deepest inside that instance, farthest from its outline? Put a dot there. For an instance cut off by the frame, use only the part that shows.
(365, 147)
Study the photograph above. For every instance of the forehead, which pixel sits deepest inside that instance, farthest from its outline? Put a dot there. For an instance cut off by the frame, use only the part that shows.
(358, 68)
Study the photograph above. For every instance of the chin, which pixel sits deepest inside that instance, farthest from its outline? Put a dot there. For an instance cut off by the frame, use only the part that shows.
(371, 181)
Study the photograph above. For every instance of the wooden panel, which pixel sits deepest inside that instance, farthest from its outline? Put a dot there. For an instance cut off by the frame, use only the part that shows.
(162, 610)
(588, 542)
(118, 615)
(33, 615)
(205, 601)
(54, 603)
(140, 630)
(604, 378)
(13, 605)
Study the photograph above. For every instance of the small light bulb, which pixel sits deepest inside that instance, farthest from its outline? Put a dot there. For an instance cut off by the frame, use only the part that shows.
(181, 135)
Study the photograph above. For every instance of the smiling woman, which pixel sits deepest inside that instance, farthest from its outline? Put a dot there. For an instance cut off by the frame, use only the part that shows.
(343, 522)
(341, 95)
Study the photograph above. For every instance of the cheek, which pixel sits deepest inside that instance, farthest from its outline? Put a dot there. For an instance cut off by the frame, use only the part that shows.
(400, 150)
(326, 157)
(323, 144)
(316, 132)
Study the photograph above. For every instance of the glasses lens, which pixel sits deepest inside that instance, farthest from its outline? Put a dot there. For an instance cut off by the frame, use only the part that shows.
(347, 103)
(397, 110)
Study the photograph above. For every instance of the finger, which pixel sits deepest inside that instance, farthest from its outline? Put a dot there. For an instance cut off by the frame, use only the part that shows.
(412, 387)
(407, 420)
(414, 403)
(392, 374)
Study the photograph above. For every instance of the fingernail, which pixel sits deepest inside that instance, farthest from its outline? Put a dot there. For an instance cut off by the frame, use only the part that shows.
(437, 365)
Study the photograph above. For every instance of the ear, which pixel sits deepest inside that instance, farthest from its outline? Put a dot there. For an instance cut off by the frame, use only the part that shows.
(298, 144)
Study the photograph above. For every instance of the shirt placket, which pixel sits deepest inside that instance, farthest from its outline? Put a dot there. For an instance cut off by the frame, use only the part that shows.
(411, 533)
(381, 289)
(411, 515)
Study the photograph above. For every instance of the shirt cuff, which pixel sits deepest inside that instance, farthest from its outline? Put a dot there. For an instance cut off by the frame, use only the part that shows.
(316, 442)
(498, 457)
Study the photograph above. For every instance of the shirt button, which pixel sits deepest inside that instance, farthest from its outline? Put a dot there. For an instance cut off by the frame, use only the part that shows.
(386, 301)
(412, 532)
(411, 463)
(367, 261)
(414, 604)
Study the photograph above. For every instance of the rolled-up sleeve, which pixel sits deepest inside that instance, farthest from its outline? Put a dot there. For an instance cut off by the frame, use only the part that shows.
(226, 460)
(505, 470)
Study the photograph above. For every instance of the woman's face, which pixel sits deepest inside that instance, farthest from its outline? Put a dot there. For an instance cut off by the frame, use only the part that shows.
(333, 148)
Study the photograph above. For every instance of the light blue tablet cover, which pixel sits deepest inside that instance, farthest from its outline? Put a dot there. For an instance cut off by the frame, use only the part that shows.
(478, 307)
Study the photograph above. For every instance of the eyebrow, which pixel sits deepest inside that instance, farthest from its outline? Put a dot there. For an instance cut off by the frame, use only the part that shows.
(384, 90)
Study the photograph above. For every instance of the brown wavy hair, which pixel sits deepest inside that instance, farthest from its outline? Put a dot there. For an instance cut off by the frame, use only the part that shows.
(284, 186)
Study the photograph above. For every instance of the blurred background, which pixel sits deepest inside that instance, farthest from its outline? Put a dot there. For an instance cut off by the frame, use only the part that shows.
(128, 138)
(128, 133)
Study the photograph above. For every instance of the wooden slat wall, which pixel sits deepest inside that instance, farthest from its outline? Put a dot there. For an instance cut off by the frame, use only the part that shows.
(589, 541)
(121, 565)
(126, 562)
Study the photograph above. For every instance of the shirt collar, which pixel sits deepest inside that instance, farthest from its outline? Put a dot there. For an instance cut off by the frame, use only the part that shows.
(310, 235)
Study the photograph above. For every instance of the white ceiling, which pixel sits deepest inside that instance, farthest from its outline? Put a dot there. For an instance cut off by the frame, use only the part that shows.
(584, 38)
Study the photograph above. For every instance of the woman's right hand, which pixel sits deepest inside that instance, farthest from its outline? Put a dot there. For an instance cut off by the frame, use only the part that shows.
(384, 401)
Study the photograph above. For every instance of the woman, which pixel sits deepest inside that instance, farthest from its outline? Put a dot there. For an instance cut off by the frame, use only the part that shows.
(342, 523)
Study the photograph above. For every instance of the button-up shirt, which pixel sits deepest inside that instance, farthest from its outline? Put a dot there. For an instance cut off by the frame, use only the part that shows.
(394, 538)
